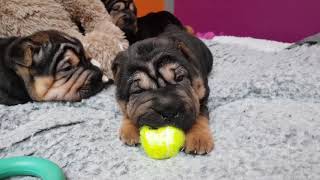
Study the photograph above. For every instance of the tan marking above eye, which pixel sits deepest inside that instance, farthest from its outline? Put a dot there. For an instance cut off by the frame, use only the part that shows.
(118, 6)
(131, 6)
(144, 81)
(167, 72)
(72, 57)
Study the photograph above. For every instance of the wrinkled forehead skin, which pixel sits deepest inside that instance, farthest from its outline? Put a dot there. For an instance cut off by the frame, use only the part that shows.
(52, 45)
(148, 56)
(53, 66)
(43, 47)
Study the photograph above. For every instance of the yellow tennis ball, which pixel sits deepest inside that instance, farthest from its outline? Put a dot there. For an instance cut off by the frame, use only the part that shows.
(161, 143)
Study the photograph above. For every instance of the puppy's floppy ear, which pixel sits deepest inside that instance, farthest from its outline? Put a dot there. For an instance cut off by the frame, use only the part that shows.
(119, 60)
(21, 52)
(186, 51)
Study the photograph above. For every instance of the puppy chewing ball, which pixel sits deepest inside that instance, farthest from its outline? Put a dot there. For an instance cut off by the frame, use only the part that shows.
(161, 143)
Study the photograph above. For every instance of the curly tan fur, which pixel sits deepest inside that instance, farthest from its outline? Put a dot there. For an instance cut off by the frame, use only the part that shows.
(102, 39)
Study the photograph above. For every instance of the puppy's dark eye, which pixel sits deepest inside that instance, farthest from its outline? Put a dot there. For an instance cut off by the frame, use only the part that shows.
(36, 50)
(138, 91)
(68, 68)
(115, 8)
(135, 89)
(65, 67)
(180, 74)
(179, 78)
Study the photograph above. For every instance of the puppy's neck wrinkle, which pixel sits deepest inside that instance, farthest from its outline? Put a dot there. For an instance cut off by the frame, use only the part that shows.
(12, 88)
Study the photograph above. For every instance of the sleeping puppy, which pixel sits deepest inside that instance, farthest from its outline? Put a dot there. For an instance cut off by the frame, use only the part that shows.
(46, 66)
(124, 15)
(163, 81)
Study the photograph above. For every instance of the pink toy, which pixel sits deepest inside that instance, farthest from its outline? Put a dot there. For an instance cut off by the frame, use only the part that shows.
(207, 35)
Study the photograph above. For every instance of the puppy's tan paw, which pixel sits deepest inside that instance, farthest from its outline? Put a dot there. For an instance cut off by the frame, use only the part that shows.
(198, 143)
(129, 133)
(199, 139)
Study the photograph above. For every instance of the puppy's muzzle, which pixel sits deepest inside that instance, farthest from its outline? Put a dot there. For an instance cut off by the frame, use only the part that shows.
(167, 109)
(93, 84)
(128, 19)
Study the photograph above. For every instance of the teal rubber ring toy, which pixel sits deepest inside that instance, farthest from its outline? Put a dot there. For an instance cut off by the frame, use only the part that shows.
(30, 166)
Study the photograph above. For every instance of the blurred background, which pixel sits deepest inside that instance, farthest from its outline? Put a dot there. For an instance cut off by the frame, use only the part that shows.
(280, 20)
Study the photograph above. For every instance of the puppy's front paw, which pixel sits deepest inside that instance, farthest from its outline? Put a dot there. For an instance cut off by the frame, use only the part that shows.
(129, 133)
(199, 139)
(198, 143)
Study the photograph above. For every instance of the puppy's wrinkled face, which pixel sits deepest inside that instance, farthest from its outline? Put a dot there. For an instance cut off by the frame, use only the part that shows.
(123, 14)
(54, 67)
(157, 85)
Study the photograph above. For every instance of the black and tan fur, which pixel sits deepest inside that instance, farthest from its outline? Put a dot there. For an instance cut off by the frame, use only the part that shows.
(45, 66)
(124, 15)
(163, 81)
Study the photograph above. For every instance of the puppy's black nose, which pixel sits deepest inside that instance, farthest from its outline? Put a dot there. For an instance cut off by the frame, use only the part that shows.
(169, 115)
(128, 18)
(97, 76)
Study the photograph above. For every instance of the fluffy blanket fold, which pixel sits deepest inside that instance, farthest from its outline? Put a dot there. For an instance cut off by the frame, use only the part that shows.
(265, 117)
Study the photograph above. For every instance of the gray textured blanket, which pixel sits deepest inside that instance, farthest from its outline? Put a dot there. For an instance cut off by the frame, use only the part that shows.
(265, 117)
